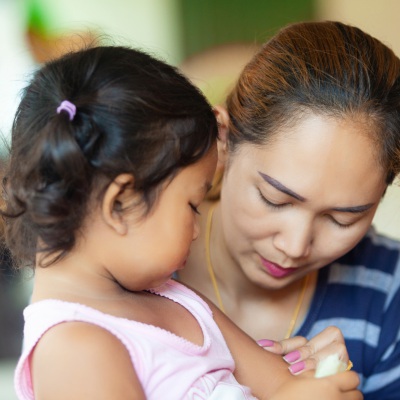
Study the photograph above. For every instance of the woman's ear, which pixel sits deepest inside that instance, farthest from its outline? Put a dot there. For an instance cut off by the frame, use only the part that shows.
(222, 117)
(118, 196)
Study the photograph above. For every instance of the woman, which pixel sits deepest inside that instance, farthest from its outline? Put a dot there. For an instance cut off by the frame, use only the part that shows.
(309, 140)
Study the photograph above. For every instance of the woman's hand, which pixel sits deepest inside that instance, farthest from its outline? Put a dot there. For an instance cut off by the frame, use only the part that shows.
(342, 386)
(303, 355)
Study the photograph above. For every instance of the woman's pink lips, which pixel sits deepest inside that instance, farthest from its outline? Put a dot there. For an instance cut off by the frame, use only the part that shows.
(276, 270)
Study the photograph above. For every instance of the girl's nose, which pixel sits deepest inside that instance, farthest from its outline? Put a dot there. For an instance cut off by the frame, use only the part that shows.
(196, 230)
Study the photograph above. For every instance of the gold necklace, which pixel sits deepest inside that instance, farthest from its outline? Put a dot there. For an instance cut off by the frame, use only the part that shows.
(213, 278)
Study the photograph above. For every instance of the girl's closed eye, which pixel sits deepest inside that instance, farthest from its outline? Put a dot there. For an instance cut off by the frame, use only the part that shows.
(194, 208)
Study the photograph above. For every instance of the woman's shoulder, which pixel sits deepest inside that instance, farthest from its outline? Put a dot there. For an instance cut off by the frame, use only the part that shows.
(374, 256)
(376, 248)
(378, 239)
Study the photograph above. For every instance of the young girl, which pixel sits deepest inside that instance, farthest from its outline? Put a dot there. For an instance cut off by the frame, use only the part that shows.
(310, 138)
(112, 153)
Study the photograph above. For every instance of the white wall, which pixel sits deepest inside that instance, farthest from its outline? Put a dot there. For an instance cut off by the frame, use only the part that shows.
(15, 63)
(153, 25)
(378, 18)
(381, 20)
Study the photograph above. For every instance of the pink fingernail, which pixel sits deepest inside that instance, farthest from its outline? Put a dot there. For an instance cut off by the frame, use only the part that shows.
(265, 343)
(292, 357)
(298, 367)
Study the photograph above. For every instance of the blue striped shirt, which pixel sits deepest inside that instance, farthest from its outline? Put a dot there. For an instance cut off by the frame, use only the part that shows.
(360, 294)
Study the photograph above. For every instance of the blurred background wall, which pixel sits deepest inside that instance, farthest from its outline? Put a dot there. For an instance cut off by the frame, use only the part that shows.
(210, 40)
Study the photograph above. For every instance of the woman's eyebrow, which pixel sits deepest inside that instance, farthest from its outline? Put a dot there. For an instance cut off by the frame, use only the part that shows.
(282, 188)
(354, 209)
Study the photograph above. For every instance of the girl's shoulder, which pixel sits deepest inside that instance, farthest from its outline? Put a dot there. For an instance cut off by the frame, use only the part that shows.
(49, 339)
(77, 344)
(189, 298)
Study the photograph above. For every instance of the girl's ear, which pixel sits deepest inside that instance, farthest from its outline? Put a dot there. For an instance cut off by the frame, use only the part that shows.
(222, 117)
(118, 196)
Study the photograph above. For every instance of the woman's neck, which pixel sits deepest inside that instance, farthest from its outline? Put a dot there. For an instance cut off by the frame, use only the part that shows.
(245, 301)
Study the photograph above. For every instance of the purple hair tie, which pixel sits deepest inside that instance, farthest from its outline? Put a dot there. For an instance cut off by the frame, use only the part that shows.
(68, 107)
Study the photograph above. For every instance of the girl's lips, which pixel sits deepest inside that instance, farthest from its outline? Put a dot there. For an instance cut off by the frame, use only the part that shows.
(184, 262)
(276, 270)
(182, 265)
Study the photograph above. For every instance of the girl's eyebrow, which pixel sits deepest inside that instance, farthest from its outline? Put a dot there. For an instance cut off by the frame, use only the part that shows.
(282, 188)
(205, 188)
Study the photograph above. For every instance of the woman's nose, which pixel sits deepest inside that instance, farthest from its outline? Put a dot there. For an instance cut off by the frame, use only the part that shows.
(294, 241)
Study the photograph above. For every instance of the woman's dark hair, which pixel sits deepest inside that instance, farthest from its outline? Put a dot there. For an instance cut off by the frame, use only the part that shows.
(326, 68)
(134, 114)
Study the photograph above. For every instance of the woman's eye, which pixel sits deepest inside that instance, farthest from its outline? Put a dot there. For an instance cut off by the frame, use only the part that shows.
(271, 204)
(194, 208)
(340, 225)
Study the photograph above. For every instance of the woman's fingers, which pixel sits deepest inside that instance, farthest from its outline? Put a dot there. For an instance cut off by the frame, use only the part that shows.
(303, 355)
(328, 336)
(329, 341)
(284, 346)
(305, 359)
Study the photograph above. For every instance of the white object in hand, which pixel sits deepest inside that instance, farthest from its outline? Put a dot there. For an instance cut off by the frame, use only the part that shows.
(331, 365)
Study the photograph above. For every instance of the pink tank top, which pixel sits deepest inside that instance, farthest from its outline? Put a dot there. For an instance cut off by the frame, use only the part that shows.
(168, 366)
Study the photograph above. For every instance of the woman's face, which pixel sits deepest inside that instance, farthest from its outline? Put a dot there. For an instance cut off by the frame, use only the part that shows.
(300, 202)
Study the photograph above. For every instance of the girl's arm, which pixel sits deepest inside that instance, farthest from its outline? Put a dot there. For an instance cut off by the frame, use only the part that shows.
(80, 361)
(336, 387)
(262, 371)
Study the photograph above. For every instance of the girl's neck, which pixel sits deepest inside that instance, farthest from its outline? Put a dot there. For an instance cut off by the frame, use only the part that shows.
(71, 279)
(61, 282)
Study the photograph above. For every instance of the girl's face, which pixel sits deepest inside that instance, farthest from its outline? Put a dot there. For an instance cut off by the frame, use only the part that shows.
(158, 244)
(300, 202)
